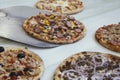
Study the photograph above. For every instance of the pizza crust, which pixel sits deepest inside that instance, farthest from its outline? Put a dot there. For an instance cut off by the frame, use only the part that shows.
(40, 69)
(109, 43)
(65, 65)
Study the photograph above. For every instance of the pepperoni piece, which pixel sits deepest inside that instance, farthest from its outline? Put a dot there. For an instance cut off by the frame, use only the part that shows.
(42, 23)
(64, 27)
(62, 16)
(78, 30)
(71, 18)
(68, 24)
(59, 35)
(77, 22)
(55, 26)
(51, 20)
(37, 30)
(114, 42)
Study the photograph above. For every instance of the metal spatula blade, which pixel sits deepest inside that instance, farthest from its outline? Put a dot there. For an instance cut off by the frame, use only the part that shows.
(11, 26)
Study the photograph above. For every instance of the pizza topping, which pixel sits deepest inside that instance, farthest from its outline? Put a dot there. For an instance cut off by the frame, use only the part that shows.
(68, 24)
(20, 73)
(101, 69)
(71, 18)
(71, 74)
(59, 35)
(4, 77)
(106, 64)
(99, 60)
(77, 22)
(78, 30)
(55, 26)
(21, 55)
(114, 42)
(37, 30)
(1, 65)
(12, 60)
(1, 49)
(27, 69)
(13, 74)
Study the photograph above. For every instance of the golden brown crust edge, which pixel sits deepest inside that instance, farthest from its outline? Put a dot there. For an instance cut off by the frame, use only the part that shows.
(43, 38)
(105, 44)
(68, 12)
(35, 56)
(75, 57)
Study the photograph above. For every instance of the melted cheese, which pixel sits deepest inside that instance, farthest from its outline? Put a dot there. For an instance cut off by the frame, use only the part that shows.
(61, 3)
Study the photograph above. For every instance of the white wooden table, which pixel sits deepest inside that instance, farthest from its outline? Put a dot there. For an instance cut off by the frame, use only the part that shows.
(96, 14)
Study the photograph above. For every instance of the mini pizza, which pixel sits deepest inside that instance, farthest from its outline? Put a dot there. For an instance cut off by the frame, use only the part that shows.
(20, 64)
(61, 6)
(89, 66)
(109, 36)
(54, 28)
